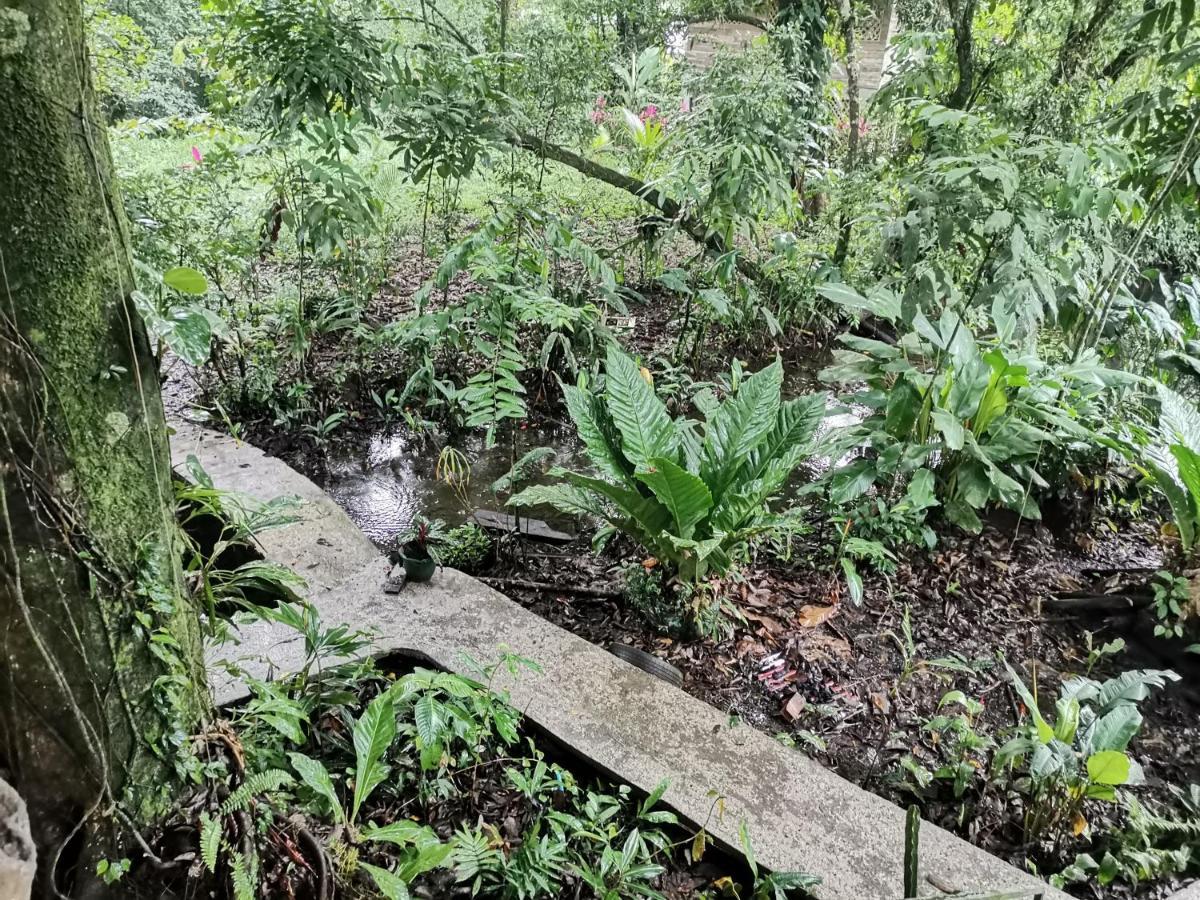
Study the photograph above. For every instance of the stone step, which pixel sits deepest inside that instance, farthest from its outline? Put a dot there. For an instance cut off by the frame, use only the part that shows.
(801, 816)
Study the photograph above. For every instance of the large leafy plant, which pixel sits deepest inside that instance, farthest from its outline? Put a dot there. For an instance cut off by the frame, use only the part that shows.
(1081, 754)
(978, 418)
(691, 493)
(1173, 461)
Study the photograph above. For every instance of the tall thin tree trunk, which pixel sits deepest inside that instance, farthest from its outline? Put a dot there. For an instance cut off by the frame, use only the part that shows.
(849, 35)
(101, 672)
(962, 16)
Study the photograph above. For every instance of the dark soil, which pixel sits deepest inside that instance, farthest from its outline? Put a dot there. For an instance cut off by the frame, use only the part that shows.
(855, 700)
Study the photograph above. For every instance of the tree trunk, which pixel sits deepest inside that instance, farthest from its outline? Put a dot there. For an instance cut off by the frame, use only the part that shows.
(101, 671)
(846, 12)
(962, 15)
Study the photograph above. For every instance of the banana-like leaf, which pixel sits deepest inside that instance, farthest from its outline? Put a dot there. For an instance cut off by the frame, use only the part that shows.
(682, 493)
(563, 497)
(598, 433)
(739, 425)
(646, 429)
(373, 734)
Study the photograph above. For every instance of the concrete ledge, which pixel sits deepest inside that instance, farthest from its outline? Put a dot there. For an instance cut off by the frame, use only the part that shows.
(801, 816)
(323, 546)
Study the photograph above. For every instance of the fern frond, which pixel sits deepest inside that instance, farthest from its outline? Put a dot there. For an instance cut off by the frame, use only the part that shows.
(244, 878)
(253, 786)
(210, 841)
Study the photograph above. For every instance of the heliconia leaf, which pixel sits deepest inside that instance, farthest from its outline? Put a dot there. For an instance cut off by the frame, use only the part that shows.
(682, 493)
(373, 734)
(641, 418)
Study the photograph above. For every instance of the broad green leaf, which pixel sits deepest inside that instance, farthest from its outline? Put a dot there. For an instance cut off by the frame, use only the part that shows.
(682, 493)
(739, 425)
(185, 280)
(747, 849)
(314, 774)
(949, 427)
(1044, 731)
(843, 295)
(562, 497)
(641, 418)
(1131, 687)
(402, 833)
(598, 433)
(373, 734)
(428, 719)
(920, 493)
(853, 580)
(1108, 767)
(390, 885)
(1067, 711)
(1115, 729)
(428, 857)
(793, 431)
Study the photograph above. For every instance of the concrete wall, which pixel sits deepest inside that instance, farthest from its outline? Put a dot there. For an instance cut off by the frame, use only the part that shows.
(704, 40)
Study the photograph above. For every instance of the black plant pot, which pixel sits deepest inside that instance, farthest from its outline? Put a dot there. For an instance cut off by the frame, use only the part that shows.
(418, 564)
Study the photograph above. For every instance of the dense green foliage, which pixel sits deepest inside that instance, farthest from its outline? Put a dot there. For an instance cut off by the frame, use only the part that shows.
(465, 218)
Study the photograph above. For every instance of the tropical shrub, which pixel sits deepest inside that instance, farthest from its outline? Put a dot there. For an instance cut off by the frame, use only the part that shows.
(1081, 754)
(465, 547)
(693, 494)
(978, 418)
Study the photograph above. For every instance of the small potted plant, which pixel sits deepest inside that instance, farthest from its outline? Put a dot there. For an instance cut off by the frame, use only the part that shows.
(418, 548)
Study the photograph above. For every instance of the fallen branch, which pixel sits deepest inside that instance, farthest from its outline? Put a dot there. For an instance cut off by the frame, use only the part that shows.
(605, 593)
(691, 225)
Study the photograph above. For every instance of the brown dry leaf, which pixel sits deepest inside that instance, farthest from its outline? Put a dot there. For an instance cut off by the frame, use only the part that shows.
(649, 563)
(818, 645)
(745, 646)
(811, 616)
(771, 626)
(880, 701)
(794, 707)
(1079, 826)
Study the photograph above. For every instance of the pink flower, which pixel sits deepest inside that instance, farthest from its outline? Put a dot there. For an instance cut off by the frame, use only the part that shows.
(598, 113)
(196, 155)
(650, 113)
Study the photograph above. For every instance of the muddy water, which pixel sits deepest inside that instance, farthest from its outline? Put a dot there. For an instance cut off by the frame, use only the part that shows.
(388, 479)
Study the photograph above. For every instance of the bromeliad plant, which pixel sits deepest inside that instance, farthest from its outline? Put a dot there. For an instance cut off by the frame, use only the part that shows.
(693, 494)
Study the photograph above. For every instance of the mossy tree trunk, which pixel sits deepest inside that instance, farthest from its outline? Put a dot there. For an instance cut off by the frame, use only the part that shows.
(101, 672)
